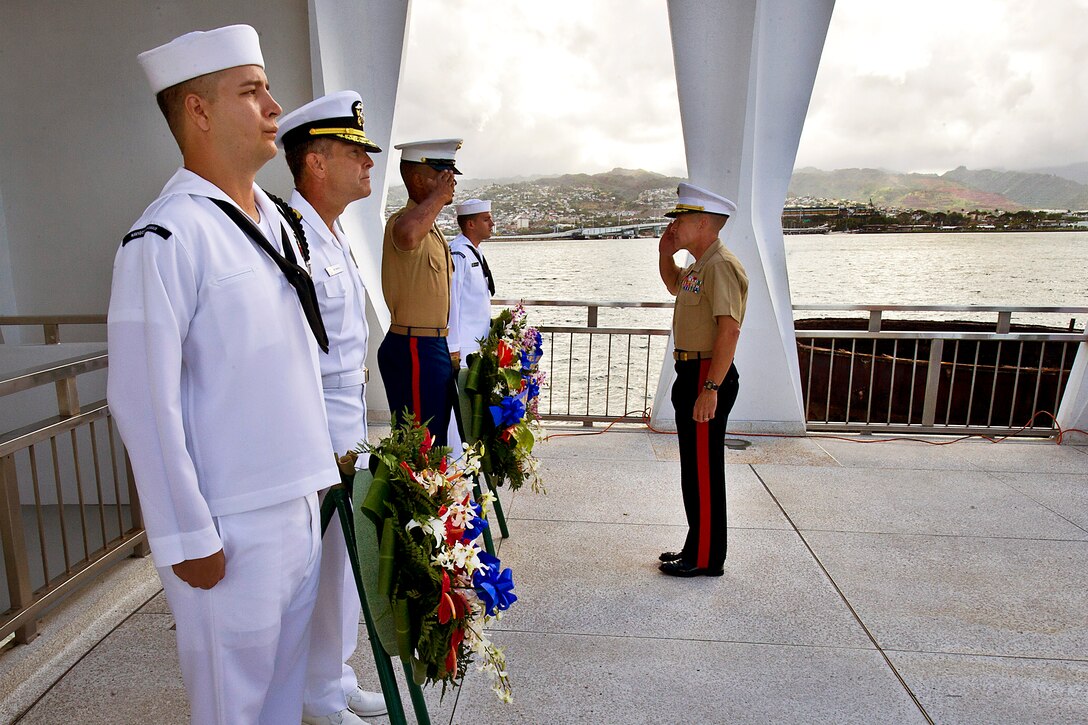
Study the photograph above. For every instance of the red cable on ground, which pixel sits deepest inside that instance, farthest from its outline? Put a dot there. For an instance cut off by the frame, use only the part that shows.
(645, 420)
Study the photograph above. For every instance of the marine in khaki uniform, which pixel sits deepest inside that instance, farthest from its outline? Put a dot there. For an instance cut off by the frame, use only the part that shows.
(415, 361)
(711, 295)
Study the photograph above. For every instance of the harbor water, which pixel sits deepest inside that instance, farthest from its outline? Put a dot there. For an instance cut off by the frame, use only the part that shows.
(1014, 269)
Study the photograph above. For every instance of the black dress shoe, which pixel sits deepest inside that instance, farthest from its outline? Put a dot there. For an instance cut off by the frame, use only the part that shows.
(670, 555)
(683, 569)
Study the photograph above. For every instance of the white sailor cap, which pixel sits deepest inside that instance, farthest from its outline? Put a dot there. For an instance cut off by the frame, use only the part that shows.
(473, 206)
(338, 115)
(691, 198)
(200, 52)
(437, 153)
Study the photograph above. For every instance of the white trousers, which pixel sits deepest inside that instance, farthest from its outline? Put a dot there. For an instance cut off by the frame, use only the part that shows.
(335, 629)
(453, 436)
(243, 643)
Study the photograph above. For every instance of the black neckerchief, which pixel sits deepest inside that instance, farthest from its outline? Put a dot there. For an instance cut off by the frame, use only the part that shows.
(487, 270)
(296, 275)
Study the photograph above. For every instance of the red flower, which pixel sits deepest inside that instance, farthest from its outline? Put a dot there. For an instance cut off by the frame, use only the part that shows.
(425, 446)
(450, 603)
(453, 533)
(505, 354)
(455, 643)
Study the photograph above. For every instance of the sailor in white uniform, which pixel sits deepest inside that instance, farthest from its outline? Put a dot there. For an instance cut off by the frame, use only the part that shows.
(214, 383)
(328, 154)
(471, 289)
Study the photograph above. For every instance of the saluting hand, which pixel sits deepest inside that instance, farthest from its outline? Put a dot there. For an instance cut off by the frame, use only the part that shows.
(444, 185)
(667, 245)
(202, 573)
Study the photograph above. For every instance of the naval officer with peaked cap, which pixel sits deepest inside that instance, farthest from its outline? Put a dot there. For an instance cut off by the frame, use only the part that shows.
(328, 153)
(416, 363)
(471, 289)
(711, 295)
(214, 382)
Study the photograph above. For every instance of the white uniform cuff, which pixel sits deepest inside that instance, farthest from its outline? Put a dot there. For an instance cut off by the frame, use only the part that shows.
(176, 548)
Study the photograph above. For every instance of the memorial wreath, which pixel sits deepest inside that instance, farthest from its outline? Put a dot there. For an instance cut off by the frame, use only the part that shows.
(502, 391)
(442, 587)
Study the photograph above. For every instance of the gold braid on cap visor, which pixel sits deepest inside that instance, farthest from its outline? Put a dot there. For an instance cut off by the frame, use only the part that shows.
(351, 133)
(689, 207)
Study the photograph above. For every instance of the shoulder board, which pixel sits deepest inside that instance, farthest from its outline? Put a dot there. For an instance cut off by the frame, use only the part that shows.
(153, 228)
(458, 254)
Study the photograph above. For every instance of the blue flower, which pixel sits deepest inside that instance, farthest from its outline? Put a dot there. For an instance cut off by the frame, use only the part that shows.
(476, 526)
(495, 588)
(509, 412)
(532, 388)
(529, 359)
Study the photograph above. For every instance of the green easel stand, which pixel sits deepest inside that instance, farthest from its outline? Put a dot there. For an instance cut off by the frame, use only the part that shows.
(338, 500)
(462, 411)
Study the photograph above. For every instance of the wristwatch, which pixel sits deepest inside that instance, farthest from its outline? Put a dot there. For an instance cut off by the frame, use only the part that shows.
(710, 385)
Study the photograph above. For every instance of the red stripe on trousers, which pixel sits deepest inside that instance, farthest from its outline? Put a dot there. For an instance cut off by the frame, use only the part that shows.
(417, 404)
(702, 454)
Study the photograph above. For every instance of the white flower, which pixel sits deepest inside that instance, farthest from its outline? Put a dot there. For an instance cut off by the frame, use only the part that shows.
(433, 527)
(459, 556)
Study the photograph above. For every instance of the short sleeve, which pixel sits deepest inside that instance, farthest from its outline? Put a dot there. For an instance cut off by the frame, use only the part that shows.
(728, 290)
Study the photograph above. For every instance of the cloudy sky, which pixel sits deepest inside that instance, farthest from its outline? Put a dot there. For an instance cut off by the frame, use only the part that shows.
(587, 85)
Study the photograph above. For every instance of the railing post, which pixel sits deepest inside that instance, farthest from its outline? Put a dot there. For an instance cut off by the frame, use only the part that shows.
(1004, 322)
(16, 567)
(591, 320)
(51, 333)
(933, 382)
(874, 320)
(141, 549)
(67, 397)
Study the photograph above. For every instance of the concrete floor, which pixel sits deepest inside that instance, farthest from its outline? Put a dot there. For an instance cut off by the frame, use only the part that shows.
(869, 582)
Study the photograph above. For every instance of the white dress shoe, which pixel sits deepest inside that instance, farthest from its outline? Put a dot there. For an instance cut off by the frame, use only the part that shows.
(344, 717)
(368, 704)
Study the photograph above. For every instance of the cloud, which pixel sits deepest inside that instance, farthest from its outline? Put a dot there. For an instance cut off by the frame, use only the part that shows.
(571, 85)
(543, 88)
(939, 84)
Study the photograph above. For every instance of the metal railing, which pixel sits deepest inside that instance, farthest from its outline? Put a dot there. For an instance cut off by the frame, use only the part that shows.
(50, 324)
(872, 378)
(597, 373)
(68, 505)
(981, 377)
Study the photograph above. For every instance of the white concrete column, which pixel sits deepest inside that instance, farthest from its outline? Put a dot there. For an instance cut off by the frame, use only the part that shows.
(744, 75)
(359, 45)
(1073, 411)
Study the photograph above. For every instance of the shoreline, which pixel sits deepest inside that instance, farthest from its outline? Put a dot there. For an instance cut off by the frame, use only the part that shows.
(957, 230)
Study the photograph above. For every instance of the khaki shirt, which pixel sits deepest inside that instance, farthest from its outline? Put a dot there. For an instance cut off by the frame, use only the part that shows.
(416, 283)
(715, 285)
